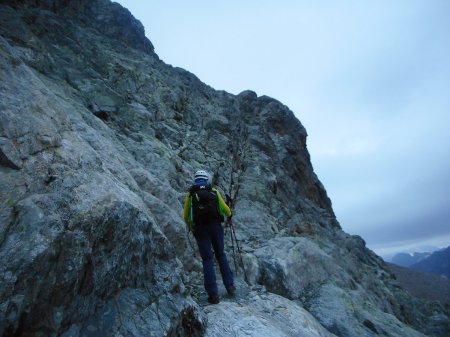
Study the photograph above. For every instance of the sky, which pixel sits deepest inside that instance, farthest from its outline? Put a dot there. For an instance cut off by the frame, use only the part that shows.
(369, 80)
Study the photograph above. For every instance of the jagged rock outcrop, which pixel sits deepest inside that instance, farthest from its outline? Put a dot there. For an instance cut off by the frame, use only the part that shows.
(99, 139)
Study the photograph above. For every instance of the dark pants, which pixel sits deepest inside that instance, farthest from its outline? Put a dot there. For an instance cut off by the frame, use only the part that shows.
(208, 235)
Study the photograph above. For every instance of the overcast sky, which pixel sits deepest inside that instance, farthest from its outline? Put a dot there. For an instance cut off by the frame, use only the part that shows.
(370, 81)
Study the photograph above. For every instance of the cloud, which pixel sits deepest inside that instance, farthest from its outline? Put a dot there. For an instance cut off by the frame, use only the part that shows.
(390, 248)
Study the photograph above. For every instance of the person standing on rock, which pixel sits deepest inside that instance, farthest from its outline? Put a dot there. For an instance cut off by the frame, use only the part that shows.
(204, 212)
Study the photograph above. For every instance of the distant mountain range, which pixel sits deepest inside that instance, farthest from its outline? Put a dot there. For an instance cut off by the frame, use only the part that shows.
(408, 259)
(422, 285)
(424, 275)
(437, 262)
(98, 142)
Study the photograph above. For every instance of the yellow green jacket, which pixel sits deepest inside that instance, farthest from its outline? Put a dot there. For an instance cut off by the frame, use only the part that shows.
(188, 216)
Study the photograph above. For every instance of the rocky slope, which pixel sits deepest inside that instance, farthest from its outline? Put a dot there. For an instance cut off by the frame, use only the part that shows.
(422, 285)
(98, 142)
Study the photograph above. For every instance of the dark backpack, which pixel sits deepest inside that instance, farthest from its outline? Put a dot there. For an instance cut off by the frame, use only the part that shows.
(205, 204)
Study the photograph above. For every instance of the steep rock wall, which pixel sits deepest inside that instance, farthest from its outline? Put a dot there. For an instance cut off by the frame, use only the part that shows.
(99, 139)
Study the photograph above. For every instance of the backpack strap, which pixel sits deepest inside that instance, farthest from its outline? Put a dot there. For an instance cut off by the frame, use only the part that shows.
(196, 196)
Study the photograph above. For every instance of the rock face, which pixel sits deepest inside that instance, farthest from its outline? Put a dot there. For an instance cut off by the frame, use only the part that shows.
(98, 142)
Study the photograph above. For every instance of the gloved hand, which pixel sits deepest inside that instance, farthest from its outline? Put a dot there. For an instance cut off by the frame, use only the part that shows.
(228, 222)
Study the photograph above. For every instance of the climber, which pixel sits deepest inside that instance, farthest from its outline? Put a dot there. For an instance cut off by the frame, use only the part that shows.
(204, 212)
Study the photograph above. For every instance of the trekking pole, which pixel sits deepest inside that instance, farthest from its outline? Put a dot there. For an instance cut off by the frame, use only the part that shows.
(234, 250)
(230, 202)
(233, 234)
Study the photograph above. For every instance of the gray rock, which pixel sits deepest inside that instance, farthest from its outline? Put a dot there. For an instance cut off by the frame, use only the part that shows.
(262, 315)
(348, 313)
(291, 266)
(98, 142)
(299, 269)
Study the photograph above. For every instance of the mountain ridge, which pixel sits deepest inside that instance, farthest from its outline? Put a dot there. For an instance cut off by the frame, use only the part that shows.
(422, 285)
(98, 141)
(408, 259)
(436, 263)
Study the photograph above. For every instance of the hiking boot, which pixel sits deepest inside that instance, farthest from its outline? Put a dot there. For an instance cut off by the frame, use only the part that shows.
(231, 290)
(213, 299)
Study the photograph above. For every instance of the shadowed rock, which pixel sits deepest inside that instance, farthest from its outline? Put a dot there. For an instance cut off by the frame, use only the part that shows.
(5, 162)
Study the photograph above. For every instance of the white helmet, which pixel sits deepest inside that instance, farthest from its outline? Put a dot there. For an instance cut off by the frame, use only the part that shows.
(201, 174)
